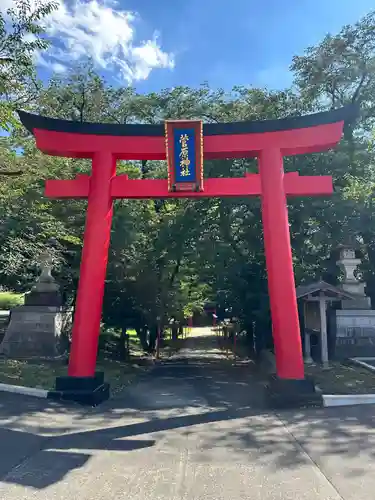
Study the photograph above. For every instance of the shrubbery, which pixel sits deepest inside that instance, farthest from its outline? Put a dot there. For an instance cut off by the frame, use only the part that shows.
(8, 300)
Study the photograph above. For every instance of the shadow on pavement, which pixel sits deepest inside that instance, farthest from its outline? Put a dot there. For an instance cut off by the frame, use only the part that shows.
(182, 395)
(272, 440)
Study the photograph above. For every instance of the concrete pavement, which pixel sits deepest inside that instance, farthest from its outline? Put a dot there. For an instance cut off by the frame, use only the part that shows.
(194, 428)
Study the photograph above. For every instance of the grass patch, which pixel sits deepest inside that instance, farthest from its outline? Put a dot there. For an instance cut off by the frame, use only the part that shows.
(30, 374)
(8, 300)
(42, 375)
(120, 374)
(110, 346)
(342, 379)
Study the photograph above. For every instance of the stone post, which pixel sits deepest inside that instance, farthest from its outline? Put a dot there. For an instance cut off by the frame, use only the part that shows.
(35, 329)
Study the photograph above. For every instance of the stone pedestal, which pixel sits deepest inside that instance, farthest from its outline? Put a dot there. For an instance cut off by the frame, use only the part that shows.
(37, 328)
(358, 302)
(289, 393)
(36, 331)
(84, 390)
(354, 324)
(354, 333)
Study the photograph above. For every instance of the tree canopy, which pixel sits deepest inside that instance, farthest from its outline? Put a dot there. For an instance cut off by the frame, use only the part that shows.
(170, 257)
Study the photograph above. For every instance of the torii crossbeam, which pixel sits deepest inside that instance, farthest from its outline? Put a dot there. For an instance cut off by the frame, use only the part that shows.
(249, 185)
(184, 144)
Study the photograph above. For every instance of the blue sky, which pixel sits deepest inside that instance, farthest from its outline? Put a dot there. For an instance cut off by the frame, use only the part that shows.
(154, 44)
(242, 41)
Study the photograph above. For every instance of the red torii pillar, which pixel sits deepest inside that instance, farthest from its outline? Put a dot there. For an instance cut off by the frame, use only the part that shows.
(281, 285)
(89, 302)
(104, 144)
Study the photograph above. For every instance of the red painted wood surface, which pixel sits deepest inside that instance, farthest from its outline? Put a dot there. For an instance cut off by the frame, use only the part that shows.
(278, 251)
(290, 142)
(122, 187)
(271, 184)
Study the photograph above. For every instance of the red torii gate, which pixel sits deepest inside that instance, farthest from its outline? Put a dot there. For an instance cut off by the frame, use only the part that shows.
(104, 144)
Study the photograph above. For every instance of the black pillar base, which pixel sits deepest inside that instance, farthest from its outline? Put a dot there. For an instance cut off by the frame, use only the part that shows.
(290, 393)
(85, 390)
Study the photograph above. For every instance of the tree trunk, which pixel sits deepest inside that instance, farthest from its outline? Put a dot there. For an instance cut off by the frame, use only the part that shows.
(153, 337)
(123, 345)
(142, 335)
(174, 329)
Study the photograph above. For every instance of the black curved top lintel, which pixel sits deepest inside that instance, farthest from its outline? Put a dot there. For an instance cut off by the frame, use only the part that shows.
(32, 122)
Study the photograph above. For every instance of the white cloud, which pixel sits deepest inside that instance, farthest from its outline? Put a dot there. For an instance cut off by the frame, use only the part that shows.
(58, 68)
(101, 30)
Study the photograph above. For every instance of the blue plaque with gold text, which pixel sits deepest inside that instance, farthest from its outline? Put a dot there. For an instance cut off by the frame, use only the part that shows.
(184, 145)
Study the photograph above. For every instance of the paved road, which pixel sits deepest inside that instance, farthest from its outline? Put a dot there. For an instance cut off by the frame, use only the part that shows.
(192, 429)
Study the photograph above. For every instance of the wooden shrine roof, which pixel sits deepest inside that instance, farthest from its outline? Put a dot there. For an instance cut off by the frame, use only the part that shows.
(321, 286)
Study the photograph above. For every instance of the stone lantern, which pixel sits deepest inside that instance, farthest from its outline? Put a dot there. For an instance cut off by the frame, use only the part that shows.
(348, 262)
(37, 328)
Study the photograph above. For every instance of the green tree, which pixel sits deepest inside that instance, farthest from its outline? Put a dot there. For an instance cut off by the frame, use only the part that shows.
(170, 257)
(338, 71)
(20, 39)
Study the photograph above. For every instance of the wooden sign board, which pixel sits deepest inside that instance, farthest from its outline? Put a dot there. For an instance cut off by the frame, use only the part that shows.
(184, 148)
